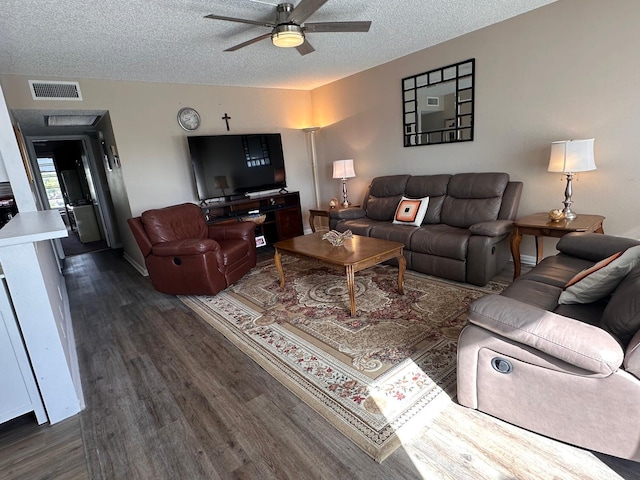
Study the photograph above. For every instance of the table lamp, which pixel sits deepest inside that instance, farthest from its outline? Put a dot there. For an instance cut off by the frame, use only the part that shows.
(569, 157)
(344, 169)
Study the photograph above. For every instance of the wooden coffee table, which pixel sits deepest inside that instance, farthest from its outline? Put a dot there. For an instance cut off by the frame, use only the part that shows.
(356, 254)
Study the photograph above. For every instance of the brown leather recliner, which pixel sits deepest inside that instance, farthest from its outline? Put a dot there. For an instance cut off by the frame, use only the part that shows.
(185, 256)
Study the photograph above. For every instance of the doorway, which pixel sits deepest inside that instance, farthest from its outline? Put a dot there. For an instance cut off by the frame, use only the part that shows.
(67, 180)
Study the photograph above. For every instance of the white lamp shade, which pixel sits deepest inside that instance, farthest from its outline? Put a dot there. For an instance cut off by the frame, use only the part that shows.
(343, 169)
(572, 156)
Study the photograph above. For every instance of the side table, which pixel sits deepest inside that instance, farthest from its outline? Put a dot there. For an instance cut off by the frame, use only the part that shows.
(323, 212)
(540, 225)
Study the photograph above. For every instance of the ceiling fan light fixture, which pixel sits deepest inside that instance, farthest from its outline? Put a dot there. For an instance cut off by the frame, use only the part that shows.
(287, 36)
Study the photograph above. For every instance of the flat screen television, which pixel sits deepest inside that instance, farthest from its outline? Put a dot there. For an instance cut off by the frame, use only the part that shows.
(231, 166)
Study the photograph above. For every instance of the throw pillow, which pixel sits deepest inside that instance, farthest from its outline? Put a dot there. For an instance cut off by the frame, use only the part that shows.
(588, 271)
(600, 280)
(411, 211)
(622, 314)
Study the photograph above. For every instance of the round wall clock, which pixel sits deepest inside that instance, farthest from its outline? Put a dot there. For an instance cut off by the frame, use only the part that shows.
(188, 118)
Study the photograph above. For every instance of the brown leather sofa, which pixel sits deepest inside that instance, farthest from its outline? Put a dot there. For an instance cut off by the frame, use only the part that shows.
(570, 372)
(185, 256)
(465, 233)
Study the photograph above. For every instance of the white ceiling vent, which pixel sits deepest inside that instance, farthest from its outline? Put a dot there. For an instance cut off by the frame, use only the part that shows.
(53, 90)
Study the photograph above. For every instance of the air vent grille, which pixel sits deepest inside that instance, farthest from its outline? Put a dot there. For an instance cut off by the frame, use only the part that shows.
(55, 90)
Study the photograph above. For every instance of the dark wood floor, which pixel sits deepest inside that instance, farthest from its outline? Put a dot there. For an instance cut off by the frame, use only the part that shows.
(169, 397)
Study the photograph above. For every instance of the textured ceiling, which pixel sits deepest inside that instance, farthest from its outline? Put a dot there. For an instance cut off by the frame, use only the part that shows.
(170, 41)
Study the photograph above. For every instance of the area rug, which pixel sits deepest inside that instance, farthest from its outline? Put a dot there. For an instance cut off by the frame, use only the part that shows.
(377, 376)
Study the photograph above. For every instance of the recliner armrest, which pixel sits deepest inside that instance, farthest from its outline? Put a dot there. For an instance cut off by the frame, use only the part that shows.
(191, 246)
(580, 344)
(347, 213)
(492, 228)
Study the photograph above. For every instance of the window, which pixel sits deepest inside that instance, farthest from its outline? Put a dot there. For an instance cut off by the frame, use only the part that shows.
(51, 183)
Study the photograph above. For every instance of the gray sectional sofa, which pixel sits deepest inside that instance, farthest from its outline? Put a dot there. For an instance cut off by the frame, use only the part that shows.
(465, 233)
(567, 371)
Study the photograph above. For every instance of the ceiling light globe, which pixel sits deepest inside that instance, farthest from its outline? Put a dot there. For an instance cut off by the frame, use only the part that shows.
(287, 36)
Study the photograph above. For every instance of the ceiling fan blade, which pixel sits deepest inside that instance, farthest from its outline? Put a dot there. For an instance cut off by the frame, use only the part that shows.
(240, 20)
(305, 48)
(337, 27)
(248, 42)
(304, 10)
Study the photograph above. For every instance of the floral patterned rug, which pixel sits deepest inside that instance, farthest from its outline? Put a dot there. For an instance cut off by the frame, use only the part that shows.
(374, 376)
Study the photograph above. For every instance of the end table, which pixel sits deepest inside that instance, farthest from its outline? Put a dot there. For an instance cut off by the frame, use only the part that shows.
(323, 212)
(540, 225)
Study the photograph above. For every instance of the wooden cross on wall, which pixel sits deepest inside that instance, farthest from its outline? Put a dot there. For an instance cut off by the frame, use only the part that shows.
(226, 118)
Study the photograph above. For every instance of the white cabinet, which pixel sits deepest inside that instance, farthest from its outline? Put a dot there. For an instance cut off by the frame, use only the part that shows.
(39, 298)
(86, 223)
(18, 391)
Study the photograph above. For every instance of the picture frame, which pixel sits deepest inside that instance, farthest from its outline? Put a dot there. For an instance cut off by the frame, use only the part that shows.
(260, 241)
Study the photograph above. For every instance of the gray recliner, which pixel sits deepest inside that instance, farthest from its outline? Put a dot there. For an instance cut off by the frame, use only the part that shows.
(570, 372)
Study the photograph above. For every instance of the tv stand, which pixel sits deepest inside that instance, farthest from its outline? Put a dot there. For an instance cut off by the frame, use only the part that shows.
(283, 216)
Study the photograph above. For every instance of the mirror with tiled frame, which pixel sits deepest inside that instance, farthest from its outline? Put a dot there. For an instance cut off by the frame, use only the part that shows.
(438, 105)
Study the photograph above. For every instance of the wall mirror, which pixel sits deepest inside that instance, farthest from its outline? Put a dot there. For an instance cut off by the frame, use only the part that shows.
(438, 105)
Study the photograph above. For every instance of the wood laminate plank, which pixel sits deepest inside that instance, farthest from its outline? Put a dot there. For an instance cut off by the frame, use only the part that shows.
(30, 451)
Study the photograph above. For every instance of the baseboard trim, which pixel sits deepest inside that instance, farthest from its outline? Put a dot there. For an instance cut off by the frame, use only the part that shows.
(528, 260)
(143, 271)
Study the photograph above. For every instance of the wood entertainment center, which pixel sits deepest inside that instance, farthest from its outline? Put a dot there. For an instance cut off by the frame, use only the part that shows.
(282, 210)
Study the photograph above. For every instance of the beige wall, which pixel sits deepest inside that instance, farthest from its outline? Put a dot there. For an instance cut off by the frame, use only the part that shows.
(567, 70)
(153, 149)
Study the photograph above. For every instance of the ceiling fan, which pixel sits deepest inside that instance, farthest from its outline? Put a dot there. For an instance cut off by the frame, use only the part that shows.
(289, 28)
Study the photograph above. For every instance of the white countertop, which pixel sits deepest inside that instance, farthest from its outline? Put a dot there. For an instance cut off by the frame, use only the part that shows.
(33, 227)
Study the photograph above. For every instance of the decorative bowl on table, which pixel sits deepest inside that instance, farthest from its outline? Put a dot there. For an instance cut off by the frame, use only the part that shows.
(336, 238)
(556, 215)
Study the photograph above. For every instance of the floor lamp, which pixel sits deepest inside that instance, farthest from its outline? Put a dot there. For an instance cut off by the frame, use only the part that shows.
(314, 160)
(569, 157)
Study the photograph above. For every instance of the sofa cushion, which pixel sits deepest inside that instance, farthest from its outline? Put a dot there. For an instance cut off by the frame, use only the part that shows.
(358, 226)
(411, 211)
(473, 198)
(603, 281)
(557, 270)
(539, 294)
(388, 186)
(477, 185)
(622, 315)
(590, 313)
(432, 186)
(395, 233)
(382, 208)
(440, 240)
(384, 195)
